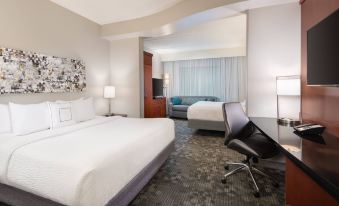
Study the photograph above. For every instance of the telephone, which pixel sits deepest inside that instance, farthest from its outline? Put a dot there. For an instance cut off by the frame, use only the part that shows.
(309, 129)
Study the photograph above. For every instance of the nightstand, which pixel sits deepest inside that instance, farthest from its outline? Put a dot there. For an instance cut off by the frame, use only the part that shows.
(115, 114)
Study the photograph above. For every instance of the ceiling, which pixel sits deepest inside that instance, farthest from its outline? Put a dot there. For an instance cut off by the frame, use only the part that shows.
(110, 11)
(225, 33)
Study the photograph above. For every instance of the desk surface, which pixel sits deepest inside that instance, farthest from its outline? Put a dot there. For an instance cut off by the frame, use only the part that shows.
(317, 156)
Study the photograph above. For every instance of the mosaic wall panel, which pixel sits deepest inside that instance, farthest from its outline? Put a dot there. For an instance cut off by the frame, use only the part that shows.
(28, 72)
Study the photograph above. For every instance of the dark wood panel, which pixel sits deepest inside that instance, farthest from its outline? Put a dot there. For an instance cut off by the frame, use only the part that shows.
(319, 104)
(152, 107)
(148, 88)
(301, 190)
(148, 58)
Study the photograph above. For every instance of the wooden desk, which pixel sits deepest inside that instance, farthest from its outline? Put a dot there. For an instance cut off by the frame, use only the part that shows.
(312, 164)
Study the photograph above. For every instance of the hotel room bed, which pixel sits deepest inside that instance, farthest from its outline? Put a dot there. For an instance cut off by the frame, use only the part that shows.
(104, 161)
(206, 115)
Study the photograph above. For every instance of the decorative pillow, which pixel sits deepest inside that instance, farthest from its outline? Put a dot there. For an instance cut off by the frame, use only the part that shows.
(61, 114)
(83, 109)
(176, 100)
(29, 118)
(5, 119)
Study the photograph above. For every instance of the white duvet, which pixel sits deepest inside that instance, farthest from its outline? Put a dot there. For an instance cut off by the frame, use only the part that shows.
(86, 163)
(204, 110)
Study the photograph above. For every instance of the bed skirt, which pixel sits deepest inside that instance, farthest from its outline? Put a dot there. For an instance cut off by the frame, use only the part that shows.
(206, 124)
(16, 197)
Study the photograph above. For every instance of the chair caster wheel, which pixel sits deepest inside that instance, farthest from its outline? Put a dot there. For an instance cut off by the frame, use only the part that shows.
(256, 194)
(276, 185)
(227, 167)
(223, 181)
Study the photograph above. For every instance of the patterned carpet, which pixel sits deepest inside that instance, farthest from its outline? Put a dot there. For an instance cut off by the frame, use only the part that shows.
(192, 174)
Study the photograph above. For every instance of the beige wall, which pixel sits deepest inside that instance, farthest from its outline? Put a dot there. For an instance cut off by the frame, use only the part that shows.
(44, 27)
(168, 21)
(273, 50)
(126, 76)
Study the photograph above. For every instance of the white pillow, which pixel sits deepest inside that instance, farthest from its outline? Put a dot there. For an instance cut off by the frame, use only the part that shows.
(83, 109)
(29, 118)
(61, 114)
(5, 119)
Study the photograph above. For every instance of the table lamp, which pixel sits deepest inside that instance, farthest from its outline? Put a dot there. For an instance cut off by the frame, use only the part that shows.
(109, 93)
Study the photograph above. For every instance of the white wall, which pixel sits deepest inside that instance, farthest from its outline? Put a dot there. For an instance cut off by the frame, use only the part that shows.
(44, 27)
(126, 76)
(273, 50)
(157, 66)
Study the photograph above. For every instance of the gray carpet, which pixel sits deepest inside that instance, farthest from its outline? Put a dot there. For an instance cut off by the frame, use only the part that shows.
(192, 174)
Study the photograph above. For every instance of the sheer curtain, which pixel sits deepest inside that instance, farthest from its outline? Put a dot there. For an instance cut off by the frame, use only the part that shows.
(225, 78)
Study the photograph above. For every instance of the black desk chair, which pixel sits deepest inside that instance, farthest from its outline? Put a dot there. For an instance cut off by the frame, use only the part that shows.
(242, 136)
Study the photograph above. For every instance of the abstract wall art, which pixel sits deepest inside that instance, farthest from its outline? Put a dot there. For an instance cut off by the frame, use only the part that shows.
(28, 72)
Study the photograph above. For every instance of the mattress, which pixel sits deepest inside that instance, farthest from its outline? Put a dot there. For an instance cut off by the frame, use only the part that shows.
(204, 110)
(86, 163)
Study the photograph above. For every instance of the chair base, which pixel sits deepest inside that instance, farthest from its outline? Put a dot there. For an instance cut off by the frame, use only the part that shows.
(248, 166)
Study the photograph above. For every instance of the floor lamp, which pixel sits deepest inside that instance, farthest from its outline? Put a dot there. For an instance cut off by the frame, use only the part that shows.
(166, 83)
(287, 86)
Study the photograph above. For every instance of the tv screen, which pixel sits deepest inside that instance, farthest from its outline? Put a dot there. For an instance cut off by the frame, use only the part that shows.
(158, 87)
(323, 52)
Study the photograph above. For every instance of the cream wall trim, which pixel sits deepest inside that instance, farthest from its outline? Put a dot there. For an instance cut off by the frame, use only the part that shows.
(109, 11)
(44, 27)
(162, 23)
(204, 54)
(273, 50)
(141, 75)
(126, 76)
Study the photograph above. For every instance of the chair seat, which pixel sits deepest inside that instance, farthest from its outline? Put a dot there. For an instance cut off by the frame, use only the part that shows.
(181, 108)
(256, 145)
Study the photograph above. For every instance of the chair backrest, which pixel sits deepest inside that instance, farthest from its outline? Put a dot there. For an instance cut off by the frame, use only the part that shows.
(237, 123)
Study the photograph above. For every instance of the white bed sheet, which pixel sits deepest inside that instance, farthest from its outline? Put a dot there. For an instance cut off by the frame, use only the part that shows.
(86, 163)
(204, 110)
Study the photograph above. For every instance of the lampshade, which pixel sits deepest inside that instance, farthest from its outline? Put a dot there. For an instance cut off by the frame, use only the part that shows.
(288, 86)
(109, 92)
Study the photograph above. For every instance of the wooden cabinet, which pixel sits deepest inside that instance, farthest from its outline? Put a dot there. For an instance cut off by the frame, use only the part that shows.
(159, 107)
(301, 190)
(152, 107)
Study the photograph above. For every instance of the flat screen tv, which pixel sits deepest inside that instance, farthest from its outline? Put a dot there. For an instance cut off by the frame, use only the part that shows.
(158, 87)
(323, 52)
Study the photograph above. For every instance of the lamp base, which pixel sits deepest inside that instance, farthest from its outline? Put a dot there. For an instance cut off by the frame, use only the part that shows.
(288, 121)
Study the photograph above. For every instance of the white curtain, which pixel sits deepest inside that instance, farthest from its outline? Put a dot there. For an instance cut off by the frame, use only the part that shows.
(225, 78)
